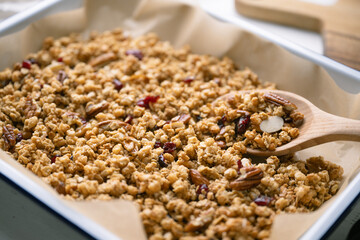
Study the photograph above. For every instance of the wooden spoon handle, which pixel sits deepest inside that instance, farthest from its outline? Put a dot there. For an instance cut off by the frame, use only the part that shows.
(334, 128)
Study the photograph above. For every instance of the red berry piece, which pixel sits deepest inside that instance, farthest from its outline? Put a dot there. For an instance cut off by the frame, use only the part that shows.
(189, 79)
(60, 59)
(157, 144)
(239, 164)
(118, 85)
(53, 159)
(241, 124)
(145, 102)
(162, 162)
(136, 53)
(263, 200)
(201, 188)
(169, 147)
(26, 64)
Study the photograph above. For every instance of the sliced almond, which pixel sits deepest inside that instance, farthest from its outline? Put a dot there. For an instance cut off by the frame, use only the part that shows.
(272, 124)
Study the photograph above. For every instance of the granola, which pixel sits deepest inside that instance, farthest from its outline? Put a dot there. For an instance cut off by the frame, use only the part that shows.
(136, 119)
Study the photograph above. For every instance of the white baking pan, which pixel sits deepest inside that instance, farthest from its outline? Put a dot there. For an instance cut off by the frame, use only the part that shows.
(345, 77)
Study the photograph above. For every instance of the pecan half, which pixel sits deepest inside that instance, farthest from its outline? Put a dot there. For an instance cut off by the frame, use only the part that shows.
(9, 137)
(102, 59)
(250, 179)
(197, 178)
(31, 108)
(93, 109)
(111, 125)
(273, 98)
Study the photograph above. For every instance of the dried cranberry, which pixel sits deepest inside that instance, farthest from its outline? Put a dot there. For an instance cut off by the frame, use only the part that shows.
(263, 200)
(128, 119)
(169, 147)
(26, 64)
(136, 53)
(189, 79)
(239, 163)
(157, 144)
(118, 85)
(162, 162)
(60, 59)
(221, 122)
(198, 118)
(202, 187)
(54, 158)
(19, 137)
(241, 124)
(144, 102)
(61, 76)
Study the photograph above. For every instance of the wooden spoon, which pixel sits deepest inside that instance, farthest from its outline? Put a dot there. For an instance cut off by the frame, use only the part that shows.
(318, 127)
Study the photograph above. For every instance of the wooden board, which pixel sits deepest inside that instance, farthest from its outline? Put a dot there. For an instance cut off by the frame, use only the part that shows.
(339, 24)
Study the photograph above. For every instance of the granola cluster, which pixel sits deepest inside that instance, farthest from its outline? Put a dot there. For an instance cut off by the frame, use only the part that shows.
(136, 119)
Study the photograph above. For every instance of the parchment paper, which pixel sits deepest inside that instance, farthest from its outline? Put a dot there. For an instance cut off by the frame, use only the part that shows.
(182, 22)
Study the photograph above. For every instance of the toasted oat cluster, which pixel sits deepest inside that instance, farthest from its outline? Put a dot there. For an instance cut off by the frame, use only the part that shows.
(136, 119)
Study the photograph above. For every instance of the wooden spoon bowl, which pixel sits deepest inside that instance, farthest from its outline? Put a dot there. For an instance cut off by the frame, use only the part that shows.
(318, 127)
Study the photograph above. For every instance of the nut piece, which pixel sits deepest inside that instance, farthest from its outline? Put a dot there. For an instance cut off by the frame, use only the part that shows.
(197, 178)
(9, 137)
(297, 118)
(31, 108)
(273, 98)
(102, 59)
(201, 221)
(60, 188)
(111, 125)
(93, 109)
(185, 118)
(250, 179)
(272, 124)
